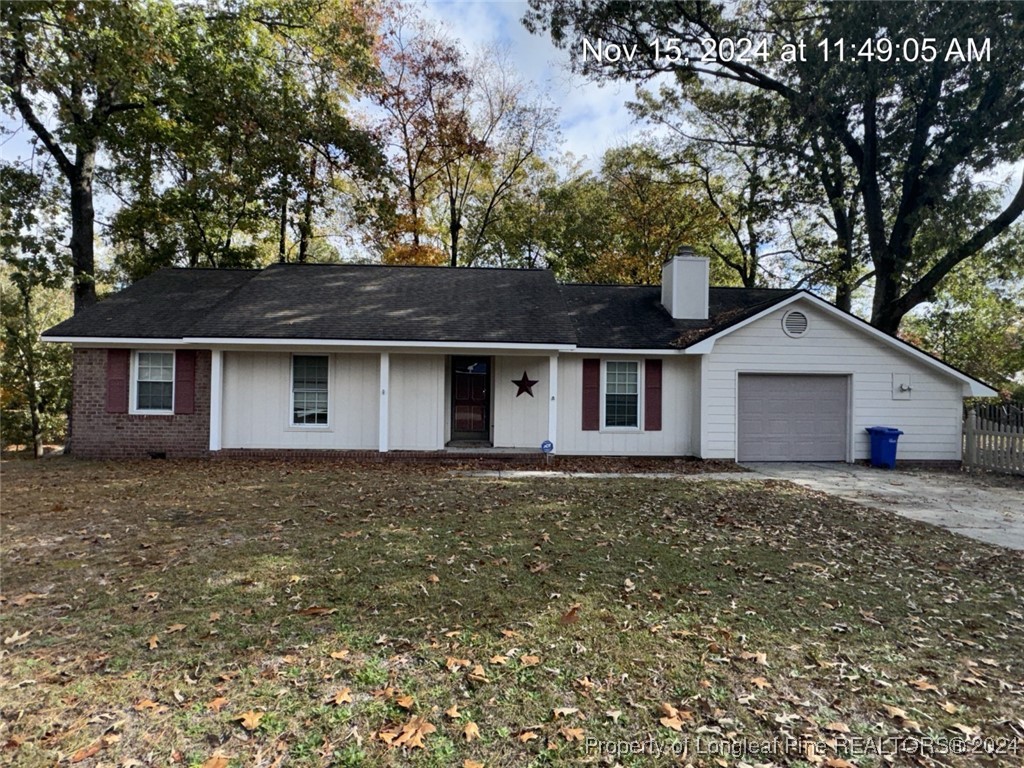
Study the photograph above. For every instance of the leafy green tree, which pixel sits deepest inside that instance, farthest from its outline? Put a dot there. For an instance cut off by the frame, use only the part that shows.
(73, 72)
(36, 376)
(215, 124)
(906, 132)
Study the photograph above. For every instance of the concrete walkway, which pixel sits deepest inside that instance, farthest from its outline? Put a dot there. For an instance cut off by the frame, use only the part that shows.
(989, 509)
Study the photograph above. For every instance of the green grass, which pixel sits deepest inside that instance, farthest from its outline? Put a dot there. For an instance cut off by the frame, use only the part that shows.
(681, 587)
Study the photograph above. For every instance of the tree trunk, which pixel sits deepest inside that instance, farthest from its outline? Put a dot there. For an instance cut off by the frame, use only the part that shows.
(306, 230)
(82, 223)
(282, 231)
(454, 225)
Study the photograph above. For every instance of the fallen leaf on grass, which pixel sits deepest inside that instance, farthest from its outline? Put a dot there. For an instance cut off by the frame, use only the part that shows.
(526, 736)
(217, 704)
(896, 713)
(478, 674)
(455, 664)
(405, 702)
(471, 731)
(409, 735)
(175, 628)
(153, 642)
(922, 685)
(838, 728)
(344, 696)
(340, 654)
(760, 657)
(216, 762)
(499, 660)
(529, 661)
(571, 734)
(674, 718)
(316, 610)
(949, 707)
(838, 762)
(572, 615)
(558, 712)
(761, 682)
(250, 720)
(145, 704)
(453, 712)
(467, 763)
(614, 714)
(86, 752)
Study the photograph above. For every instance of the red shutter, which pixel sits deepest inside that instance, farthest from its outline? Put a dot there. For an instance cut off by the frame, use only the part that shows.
(117, 380)
(185, 381)
(652, 396)
(591, 395)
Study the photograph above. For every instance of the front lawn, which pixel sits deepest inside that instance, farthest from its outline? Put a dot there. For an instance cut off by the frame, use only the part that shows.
(302, 614)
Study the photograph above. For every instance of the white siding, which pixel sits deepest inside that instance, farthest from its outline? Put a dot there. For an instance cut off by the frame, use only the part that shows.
(257, 403)
(416, 403)
(520, 422)
(930, 418)
(680, 378)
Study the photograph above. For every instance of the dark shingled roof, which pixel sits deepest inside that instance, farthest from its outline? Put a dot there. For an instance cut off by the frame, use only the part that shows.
(377, 303)
(162, 306)
(632, 317)
(382, 303)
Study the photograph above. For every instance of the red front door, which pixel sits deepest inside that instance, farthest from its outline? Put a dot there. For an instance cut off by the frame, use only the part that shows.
(471, 399)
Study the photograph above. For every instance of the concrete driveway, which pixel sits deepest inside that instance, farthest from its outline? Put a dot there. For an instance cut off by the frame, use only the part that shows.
(986, 508)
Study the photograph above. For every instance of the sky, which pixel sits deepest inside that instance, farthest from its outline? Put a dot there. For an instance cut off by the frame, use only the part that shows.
(593, 118)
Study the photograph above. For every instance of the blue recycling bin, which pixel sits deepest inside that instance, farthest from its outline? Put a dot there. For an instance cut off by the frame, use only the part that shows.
(883, 446)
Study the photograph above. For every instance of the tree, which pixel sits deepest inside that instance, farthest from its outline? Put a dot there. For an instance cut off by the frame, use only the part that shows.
(73, 71)
(461, 137)
(36, 377)
(488, 134)
(203, 119)
(252, 146)
(976, 322)
(907, 135)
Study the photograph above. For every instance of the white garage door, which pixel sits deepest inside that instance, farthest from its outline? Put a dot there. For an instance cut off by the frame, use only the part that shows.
(792, 418)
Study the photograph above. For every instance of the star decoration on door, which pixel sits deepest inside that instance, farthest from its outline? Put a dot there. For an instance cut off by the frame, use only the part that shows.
(525, 384)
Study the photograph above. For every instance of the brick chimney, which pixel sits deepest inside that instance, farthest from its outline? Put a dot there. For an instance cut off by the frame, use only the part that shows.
(684, 285)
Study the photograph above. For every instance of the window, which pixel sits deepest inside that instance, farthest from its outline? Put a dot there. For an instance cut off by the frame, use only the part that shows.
(309, 390)
(622, 394)
(153, 382)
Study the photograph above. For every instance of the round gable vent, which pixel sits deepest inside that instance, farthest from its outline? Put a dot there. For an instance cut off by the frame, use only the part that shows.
(794, 323)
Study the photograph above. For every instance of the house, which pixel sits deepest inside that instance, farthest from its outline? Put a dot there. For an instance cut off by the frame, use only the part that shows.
(375, 358)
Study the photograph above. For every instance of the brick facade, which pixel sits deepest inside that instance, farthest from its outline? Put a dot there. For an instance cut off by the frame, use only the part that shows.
(97, 434)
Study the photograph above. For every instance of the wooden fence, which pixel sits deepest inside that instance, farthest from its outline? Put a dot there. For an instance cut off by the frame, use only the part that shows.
(994, 438)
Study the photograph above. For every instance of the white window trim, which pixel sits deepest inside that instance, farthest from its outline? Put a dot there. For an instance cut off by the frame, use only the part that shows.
(292, 426)
(639, 395)
(133, 384)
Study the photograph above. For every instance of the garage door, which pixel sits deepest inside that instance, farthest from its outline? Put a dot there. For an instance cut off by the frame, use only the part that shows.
(792, 418)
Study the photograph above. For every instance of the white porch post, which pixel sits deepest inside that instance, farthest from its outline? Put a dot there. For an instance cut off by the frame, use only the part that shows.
(216, 397)
(385, 386)
(553, 400)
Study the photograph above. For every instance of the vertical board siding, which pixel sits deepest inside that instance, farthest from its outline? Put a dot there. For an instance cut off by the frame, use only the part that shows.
(930, 419)
(520, 422)
(416, 416)
(257, 403)
(591, 406)
(680, 377)
(118, 365)
(184, 381)
(652, 395)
